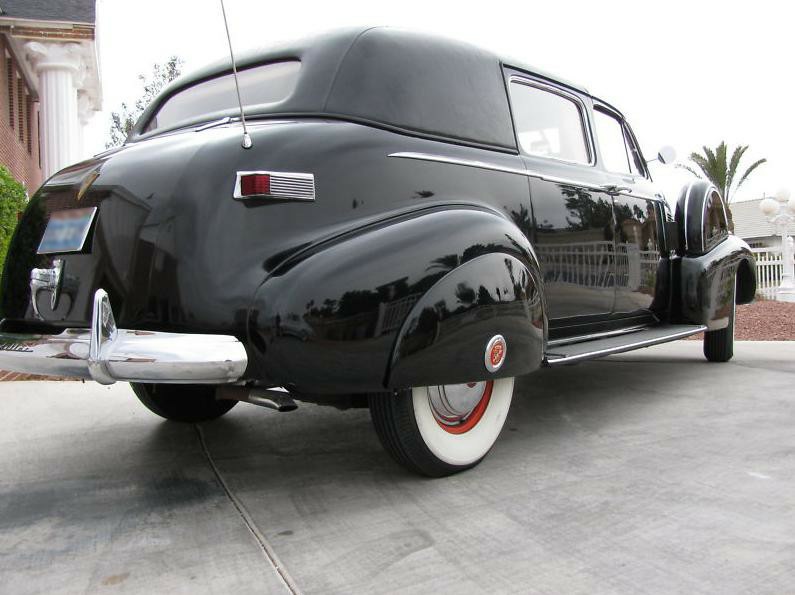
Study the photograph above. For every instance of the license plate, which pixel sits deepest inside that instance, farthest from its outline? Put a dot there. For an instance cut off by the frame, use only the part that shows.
(67, 231)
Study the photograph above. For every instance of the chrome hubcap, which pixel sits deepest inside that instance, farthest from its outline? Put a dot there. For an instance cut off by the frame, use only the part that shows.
(453, 403)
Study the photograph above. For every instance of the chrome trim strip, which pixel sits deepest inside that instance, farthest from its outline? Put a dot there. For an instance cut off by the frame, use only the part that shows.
(509, 170)
(492, 167)
(283, 185)
(566, 181)
(703, 213)
(208, 125)
(107, 354)
(622, 348)
(684, 223)
(633, 194)
(457, 161)
(594, 336)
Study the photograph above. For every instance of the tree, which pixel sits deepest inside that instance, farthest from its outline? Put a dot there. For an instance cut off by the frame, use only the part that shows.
(721, 171)
(121, 122)
(12, 203)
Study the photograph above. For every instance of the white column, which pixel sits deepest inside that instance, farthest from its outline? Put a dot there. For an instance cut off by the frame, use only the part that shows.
(85, 111)
(60, 68)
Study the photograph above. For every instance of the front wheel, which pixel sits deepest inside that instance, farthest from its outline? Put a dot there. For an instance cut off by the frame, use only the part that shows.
(182, 402)
(441, 430)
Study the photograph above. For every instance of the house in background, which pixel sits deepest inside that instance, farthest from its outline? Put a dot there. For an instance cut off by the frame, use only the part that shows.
(50, 84)
(752, 226)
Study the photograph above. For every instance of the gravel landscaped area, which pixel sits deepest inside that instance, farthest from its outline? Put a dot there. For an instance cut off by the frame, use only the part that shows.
(764, 320)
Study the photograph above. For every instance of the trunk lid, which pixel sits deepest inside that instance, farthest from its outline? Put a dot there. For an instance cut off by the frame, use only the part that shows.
(169, 244)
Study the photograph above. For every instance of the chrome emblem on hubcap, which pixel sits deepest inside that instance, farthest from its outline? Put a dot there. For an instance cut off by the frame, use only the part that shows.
(496, 350)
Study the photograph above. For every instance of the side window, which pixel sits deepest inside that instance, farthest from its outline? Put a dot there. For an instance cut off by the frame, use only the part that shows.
(615, 145)
(548, 124)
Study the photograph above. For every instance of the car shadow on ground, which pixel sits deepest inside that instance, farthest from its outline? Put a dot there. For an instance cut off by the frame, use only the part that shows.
(547, 407)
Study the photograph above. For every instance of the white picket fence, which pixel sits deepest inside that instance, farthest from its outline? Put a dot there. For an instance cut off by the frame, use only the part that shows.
(768, 271)
(593, 264)
(589, 264)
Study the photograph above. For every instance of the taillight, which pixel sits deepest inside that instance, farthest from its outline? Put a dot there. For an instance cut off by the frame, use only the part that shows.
(274, 185)
(255, 184)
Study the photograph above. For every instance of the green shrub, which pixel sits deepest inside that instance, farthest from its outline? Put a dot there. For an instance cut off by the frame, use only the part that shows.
(12, 203)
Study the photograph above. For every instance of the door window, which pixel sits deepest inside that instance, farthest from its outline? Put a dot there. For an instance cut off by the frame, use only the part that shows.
(548, 124)
(616, 148)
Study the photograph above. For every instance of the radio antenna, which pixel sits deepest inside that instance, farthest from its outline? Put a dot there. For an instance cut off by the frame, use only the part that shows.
(247, 144)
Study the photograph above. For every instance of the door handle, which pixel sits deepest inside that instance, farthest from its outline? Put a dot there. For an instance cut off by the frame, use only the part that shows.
(613, 189)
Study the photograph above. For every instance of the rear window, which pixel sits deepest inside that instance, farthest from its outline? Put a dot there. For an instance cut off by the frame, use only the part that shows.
(268, 83)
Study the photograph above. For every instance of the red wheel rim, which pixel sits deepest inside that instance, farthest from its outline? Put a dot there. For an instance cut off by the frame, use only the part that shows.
(474, 417)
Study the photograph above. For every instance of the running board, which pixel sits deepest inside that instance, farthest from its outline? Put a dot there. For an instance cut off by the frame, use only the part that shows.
(591, 349)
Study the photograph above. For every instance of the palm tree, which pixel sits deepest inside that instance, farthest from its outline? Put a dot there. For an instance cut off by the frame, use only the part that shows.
(715, 167)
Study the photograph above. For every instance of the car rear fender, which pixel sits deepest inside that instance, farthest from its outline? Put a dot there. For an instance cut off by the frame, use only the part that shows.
(342, 315)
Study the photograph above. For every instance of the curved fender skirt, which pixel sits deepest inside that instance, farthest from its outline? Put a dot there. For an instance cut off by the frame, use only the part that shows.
(444, 338)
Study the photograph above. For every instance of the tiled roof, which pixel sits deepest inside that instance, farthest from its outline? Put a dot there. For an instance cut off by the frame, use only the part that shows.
(749, 222)
(72, 11)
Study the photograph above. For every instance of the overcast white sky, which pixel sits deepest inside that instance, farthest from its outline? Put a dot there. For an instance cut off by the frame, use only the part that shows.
(684, 73)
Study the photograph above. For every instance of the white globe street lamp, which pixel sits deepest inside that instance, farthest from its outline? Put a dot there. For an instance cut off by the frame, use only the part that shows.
(781, 213)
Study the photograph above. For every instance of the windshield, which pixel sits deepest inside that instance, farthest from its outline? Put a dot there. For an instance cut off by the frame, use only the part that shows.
(268, 83)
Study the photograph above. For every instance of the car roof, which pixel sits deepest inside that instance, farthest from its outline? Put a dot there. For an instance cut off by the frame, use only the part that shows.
(387, 77)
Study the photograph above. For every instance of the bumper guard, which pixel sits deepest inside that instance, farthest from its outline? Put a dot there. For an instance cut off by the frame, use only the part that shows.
(107, 354)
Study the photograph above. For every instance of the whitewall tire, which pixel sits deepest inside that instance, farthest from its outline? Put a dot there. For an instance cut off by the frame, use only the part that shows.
(441, 430)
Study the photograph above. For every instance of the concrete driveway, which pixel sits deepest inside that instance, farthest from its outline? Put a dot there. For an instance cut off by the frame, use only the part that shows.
(649, 472)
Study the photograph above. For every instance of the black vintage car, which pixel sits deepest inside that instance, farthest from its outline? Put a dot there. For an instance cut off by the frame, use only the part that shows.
(410, 224)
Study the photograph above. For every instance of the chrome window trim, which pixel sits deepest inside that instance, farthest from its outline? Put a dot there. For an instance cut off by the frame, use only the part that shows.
(684, 222)
(283, 185)
(599, 109)
(646, 175)
(581, 107)
(626, 131)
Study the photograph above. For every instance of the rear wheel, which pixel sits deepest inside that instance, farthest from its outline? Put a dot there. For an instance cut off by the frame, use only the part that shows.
(719, 345)
(441, 430)
(182, 402)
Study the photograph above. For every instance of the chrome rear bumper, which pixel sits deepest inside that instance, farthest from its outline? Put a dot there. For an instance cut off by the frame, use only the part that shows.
(107, 354)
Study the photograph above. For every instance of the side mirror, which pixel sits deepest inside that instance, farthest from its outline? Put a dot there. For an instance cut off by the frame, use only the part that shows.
(666, 155)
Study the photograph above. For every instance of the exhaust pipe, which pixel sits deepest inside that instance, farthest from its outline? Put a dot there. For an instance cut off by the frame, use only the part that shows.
(278, 398)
